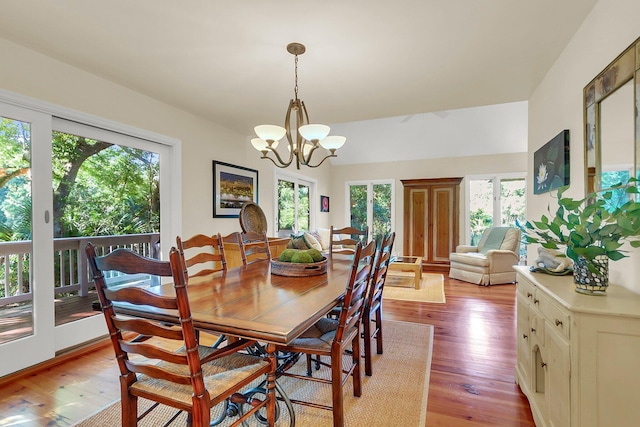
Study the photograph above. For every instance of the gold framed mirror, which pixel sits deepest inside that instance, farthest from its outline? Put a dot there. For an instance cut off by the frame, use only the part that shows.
(612, 125)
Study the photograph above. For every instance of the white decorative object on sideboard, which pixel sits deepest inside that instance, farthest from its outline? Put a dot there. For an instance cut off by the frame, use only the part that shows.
(578, 356)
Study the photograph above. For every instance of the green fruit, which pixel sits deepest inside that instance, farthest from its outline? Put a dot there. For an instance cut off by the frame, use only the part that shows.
(302, 257)
(285, 256)
(315, 254)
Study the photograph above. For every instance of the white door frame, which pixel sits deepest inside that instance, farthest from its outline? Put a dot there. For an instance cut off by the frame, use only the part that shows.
(47, 339)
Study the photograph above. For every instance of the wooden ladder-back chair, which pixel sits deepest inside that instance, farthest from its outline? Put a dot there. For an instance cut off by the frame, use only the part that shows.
(331, 337)
(236, 239)
(341, 240)
(202, 254)
(191, 378)
(372, 316)
(256, 246)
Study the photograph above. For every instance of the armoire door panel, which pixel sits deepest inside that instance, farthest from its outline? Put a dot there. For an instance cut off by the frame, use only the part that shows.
(442, 240)
(419, 223)
(431, 218)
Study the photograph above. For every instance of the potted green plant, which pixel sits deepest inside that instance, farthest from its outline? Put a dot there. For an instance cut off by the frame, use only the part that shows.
(591, 231)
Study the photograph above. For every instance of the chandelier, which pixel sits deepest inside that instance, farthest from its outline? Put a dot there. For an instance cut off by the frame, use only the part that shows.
(304, 138)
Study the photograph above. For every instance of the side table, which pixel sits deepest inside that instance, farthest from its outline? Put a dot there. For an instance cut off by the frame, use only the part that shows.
(408, 263)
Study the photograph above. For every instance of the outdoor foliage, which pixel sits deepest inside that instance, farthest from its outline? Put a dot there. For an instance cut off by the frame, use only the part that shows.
(286, 206)
(381, 209)
(98, 189)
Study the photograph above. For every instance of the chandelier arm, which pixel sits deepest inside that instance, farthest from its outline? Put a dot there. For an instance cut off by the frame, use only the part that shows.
(306, 159)
(321, 161)
(281, 165)
(278, 157)
(287, 126)
(303, 115)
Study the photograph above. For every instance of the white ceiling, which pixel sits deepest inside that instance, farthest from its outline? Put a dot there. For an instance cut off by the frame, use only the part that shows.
(431, 71)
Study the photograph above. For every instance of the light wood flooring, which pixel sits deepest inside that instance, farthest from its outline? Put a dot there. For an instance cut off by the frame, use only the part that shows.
(472, 380)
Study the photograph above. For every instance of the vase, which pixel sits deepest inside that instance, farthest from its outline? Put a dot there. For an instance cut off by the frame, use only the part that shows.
(589, 282)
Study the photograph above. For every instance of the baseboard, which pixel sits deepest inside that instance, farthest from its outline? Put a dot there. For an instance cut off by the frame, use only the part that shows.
(61, 357)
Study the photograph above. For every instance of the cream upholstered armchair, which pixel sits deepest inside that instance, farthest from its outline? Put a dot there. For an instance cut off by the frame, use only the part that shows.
(492, 261)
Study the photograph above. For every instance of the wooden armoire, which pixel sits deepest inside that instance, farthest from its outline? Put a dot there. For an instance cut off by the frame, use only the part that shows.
(431, 220)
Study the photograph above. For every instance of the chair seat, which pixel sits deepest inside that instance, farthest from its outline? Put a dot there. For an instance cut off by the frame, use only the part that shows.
(470, 258)
(222, 375)
(319, 336)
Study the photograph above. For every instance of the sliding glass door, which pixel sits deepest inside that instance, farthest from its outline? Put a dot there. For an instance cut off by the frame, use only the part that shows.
(63, 184)
(294, 205)
(371, 204)
(26, 310)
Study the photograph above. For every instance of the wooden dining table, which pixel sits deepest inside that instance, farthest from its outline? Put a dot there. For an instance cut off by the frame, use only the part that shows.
(252, 303)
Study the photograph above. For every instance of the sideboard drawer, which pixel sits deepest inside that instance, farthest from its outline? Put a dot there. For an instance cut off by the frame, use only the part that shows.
(526, 288)
(558, 318)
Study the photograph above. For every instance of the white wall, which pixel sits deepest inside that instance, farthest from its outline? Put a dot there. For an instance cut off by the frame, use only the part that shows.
(557, 104)
(37, 76)
(419, 169)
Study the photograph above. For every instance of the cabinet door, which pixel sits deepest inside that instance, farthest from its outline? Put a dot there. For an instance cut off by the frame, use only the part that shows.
(558, 379)
(444, 223)
(523, 344)
(418, 224)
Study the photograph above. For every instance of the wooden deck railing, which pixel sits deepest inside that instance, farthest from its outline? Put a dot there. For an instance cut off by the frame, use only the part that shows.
(71, 269)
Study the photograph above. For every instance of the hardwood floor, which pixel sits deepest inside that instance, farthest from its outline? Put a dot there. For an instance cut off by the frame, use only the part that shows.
(474, 354)
(472, 380)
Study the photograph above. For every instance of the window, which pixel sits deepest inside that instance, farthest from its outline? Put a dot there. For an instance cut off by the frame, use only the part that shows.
(371, 204)
(294, 204)
(494, 201)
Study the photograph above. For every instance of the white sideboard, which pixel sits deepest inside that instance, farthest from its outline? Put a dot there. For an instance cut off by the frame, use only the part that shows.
(578, 356)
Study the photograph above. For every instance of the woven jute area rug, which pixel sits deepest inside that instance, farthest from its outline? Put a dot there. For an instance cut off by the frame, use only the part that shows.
(400, 286)
(396, 394)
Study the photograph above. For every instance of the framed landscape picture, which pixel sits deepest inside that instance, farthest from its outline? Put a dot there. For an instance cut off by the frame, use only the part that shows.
(551, 164)
(232, 187)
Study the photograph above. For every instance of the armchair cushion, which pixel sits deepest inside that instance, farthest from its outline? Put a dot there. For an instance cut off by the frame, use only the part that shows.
(491, 262)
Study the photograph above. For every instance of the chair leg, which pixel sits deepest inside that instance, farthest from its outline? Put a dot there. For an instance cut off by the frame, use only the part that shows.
(129, 402)
(309, 373)
(201, 412)
(129, 410)
(357, 378)
(336, 386)
(379, 329)
(366, 326)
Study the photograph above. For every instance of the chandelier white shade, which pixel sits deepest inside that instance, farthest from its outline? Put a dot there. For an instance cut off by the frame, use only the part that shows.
(333, 142)
(270, 132)
(308, 136)
(314, 132)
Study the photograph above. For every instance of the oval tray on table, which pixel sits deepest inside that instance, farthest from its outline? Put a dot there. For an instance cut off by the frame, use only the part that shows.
(296, 269)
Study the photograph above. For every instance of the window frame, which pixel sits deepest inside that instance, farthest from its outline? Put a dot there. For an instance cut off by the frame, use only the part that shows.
(370, 184)
(496, 178)
(296, 179)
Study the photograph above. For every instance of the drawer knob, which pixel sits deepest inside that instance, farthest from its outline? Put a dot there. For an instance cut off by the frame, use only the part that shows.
(542, 364)
(536, 301)
(533, 330)
(529, 294)
(558, 322)
(525, 336)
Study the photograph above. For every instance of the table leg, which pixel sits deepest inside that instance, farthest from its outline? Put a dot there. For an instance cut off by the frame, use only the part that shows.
(271, 385)
(418, 276)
